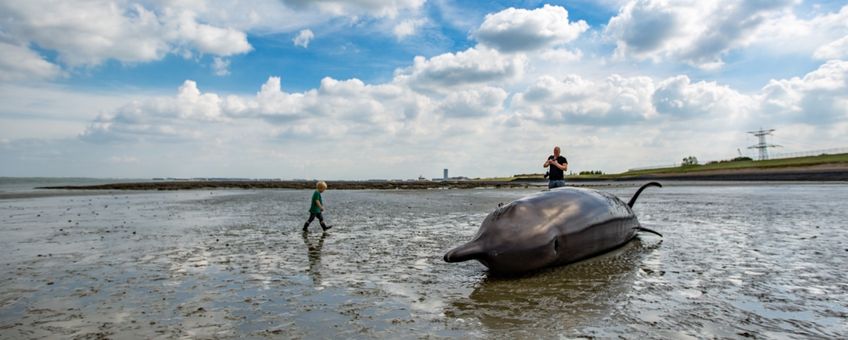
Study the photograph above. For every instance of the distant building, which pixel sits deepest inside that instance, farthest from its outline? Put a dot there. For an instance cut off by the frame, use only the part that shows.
(445, 174)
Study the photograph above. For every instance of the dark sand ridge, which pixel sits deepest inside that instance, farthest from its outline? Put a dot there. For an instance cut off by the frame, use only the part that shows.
(349, 185)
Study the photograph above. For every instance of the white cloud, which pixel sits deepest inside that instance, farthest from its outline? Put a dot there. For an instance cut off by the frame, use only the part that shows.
(678, 98)
(88, 33)
(19, 63)
(160, 119)
(220, 66)
(560, 55)
(577, 101)
(837, 49)
(644, 120)
(184, 30)
(820, 97)
(442, 110)
(485, 101)
(821, 36)
(513, 30)
(697, 32)
(407, 27)
(377, 8)
(303, 38)
(467, 68)
(38, 110)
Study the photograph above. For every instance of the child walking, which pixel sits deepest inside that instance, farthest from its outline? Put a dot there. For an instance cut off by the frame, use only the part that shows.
(317, 207)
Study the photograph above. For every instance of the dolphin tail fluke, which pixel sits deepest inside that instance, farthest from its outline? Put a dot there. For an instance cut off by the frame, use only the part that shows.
(465, 252)
(648, 230)
(636, 195)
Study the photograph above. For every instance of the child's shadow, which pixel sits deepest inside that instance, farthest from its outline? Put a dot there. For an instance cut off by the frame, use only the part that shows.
(313, 252)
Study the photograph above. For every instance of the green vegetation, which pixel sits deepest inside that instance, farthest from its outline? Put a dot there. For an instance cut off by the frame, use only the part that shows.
(690, 161)
(744, 163)
(737, 163)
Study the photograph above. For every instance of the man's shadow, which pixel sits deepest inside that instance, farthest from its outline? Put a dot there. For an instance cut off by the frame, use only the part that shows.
(313, 252)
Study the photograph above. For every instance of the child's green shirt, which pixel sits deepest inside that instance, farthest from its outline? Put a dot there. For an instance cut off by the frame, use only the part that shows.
(316, 197)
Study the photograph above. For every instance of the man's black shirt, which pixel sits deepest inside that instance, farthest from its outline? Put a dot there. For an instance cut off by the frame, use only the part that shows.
(556, 173)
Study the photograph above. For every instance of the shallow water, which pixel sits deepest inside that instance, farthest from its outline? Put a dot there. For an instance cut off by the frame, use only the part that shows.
(736, 260)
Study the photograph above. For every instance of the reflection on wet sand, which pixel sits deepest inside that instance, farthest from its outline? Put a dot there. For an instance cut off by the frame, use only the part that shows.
(758, 261)
(557, 298)
(313, 252)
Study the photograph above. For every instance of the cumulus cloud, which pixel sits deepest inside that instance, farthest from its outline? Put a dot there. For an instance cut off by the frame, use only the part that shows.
(574, 100)
(699, 33)
(161, 119)
(344, 107)
(370, 119)
(513, 30)
(816, 99)
(87, 33)
(21, 63)
(678, 97)
(184, 30)
(837, 49)
(485, 101)
(407, 27)
(822, 36)
(560, 55)
(378, 8)
(220, 66)
(470, 67)
(820, 97)
(303, 38)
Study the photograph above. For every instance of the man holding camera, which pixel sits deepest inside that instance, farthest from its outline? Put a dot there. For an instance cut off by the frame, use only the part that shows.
(558, 165)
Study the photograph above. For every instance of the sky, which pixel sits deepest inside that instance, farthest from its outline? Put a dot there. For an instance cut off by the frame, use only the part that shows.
(396, 89)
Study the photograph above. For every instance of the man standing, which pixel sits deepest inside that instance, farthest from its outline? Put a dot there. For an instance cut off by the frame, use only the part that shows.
(558, 164)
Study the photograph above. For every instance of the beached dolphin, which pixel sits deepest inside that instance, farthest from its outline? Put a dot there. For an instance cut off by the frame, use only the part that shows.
(551, 228)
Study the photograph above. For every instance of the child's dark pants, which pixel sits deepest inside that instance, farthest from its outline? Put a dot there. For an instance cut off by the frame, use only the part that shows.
(312, 216)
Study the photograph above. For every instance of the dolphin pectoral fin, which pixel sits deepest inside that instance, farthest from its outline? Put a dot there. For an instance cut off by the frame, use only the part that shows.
(648, 230)
(636, 195)
(465, 252)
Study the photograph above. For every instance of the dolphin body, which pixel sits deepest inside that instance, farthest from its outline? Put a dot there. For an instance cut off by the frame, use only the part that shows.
(551, 228)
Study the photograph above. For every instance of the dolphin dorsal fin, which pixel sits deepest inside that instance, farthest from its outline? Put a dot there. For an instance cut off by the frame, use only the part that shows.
(636, 195)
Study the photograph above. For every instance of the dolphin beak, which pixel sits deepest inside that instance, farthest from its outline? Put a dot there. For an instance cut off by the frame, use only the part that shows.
(465, 252)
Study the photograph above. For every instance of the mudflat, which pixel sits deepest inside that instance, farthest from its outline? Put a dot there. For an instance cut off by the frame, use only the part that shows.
(759, 260)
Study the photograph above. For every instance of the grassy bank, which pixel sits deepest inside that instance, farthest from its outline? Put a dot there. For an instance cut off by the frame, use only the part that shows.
(767, 164)
(797, 162)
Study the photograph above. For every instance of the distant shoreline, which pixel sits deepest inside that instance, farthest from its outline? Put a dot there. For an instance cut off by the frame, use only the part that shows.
(825, 173)
(262, 184)
(829, 172)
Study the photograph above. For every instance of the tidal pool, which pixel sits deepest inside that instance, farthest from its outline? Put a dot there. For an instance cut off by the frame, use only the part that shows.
(737, 260)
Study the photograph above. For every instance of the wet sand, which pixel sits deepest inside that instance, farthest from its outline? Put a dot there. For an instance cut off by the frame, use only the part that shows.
(737, 261)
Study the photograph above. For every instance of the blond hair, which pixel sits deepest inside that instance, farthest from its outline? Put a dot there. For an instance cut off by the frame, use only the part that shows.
(321, 185)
